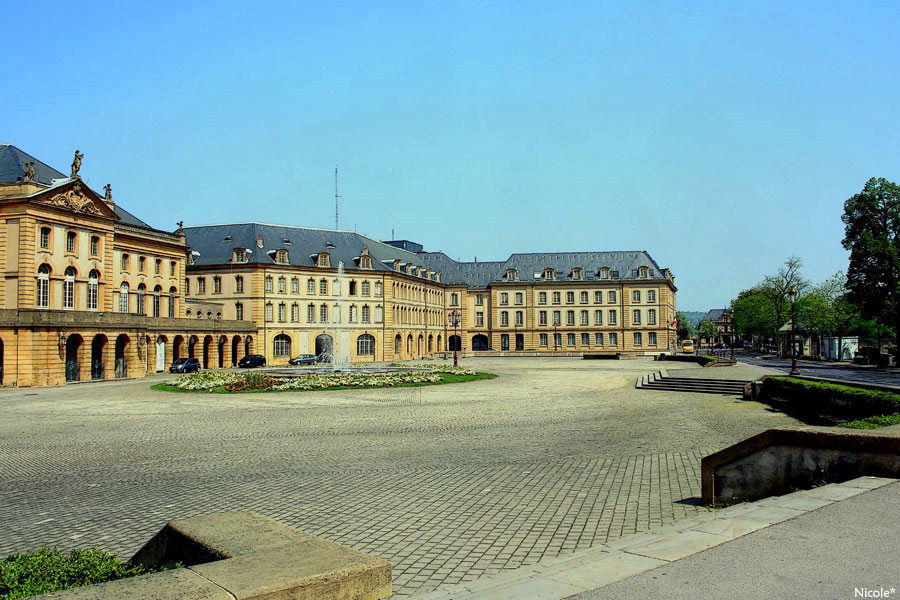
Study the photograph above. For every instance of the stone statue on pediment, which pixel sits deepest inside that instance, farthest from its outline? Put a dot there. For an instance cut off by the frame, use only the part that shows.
(107, 193)
(76, 164)
(29, 171)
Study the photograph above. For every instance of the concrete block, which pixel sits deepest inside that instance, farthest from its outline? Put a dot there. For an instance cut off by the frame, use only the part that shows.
(183, 584)
(678, 545)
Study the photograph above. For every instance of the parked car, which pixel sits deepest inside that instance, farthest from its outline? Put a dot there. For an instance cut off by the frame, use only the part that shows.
(687, 347)
(252, 360)
(720, 345)
(304, 359)
(185, 365)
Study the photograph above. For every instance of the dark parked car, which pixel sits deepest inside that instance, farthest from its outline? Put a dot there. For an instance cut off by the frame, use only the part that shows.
(304, 359)
(185, 365)
(252, 360)
(720, 345)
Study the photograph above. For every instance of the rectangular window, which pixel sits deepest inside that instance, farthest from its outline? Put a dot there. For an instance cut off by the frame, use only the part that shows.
(172, 268)
(201, 285)
(238, 284)
(70, 241)
(479, 300)
(518, 297)
(92, 299)
(154, 305)
(611, 297)
(557, 340)
(504, 341)
(479, 319)
(239, 311)
(556, 297)
(454, 299)
(95, 245)
(187, 286)
(157, 266)
(557, 317)
(323, 313)
(520, 318)
(323, 287)
(651, 338)
(612, 319)
(310, 314)
(570, 339)
(544, 340)
(636, 317)
(542, 298)
(311, 287)
(636, 296)
(651, 296)
(584, 297)
(543, 317)
(268, 312)
(585, 339)
(295, 286)
(637, 338)
(365, 288)
(651, 317)
(598, 297)
(282, 313)
(504, 318)
(570, 297)
(45, 238)
(142, 263)
(504, 298)
(598, 317)
(217, 285)
(614, 339)
(124, 262)
(598, 339)
(584, 318)
(570, 317)
(282, 285)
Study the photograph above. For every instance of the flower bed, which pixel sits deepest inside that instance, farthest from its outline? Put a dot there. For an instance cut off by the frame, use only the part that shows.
(262, 382)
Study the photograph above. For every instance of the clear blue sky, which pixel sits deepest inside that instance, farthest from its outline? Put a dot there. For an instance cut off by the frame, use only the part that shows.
(720, 137)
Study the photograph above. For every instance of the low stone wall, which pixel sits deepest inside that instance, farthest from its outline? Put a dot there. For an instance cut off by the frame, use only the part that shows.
(780, 460)
(248, 556)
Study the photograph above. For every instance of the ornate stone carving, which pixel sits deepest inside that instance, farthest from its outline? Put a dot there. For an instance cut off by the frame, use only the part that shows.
(76, 164)
(75, 199)
(29, 171)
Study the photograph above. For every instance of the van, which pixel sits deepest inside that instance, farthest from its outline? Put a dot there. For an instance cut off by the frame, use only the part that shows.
(687, 347)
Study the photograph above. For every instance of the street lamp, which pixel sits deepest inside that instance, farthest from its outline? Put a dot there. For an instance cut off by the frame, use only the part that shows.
(453, 318)
(793, 296)
(730, 323)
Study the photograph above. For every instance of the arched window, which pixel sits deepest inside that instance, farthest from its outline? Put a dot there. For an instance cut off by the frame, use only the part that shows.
(238, 284)
(378, 288)
(365, 288)
(43, 285)
(93, 296)
(141, 308)
(352, 288)
(311, 287)
(365, 345)
(323, 313)
(295, 286)
(69, 289)
(311, 313)
(269, 311)
(397, 344)
(172, 292)
(295, 313)
(123, 297)
(282, 345)
(155, 306)
(282, 285)
(365, 313)
(379, 314)
(282, 312)
(268, 283)
(238, 311)
(353, 313)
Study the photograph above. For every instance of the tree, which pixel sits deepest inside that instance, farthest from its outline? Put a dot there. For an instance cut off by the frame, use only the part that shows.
(872, 235)
(777, 288)
(685, 329)
(753, 314)
(708, 330)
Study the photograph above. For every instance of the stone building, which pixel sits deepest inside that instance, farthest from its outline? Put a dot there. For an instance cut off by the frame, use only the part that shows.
(89, 290)
(721, 318)
(314, 291)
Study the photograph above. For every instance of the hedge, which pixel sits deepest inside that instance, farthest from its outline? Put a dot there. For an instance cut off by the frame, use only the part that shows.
(818, 396)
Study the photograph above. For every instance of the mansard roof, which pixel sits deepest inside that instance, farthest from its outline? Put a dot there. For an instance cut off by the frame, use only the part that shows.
(12, 167)
(714, 315)
(530, 266)
(216, 243)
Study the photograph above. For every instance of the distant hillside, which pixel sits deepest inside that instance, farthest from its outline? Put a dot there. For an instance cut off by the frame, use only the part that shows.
(694, 317)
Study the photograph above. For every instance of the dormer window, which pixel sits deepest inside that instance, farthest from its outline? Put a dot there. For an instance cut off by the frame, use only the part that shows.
(397, 264)
(549, 273)
(365, 260)
(323, 260)
(577, 273)
(643, 272)
(281, 256)
(512, 275)
(603, 273)
(239, 255)
(614, 274)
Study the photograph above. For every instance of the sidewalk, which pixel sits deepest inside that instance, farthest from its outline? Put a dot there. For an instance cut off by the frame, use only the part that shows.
(819, 543)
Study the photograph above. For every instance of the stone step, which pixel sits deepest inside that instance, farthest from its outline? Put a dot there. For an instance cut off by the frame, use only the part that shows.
(660, 380)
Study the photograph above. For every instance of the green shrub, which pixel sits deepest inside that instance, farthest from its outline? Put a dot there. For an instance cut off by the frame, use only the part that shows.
(47, 570)
(873, 422)
(817, 396)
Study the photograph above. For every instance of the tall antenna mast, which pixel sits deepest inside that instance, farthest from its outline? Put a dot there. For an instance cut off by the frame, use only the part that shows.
(336, 196)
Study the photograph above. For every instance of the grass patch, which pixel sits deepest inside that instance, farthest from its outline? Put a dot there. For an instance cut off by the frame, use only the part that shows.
(221, 389)
(873, 422)
(48, 570)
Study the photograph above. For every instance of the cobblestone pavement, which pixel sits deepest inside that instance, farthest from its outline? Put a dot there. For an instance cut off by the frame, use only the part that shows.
(448, 483)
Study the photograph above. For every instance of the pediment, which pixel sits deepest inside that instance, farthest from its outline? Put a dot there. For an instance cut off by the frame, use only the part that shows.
(77, 197)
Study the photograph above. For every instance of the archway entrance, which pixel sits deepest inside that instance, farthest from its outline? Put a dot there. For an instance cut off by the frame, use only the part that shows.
(325, 347)
(222, 341)
(98, 347)
(207, 342)
(1, 362)
(73, 345)
(192, 344)
(121, 363)
(235, 349)
(176, 347)
(454, 343)
(248, 345)
(161, 353)
(479, 342)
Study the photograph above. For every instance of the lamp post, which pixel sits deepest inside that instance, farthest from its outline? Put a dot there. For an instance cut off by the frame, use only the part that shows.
(730, 323)
(793, 296)
(453, 318)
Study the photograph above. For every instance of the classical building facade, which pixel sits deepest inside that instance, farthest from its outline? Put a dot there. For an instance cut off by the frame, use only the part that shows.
(339, 292)
(89, 290)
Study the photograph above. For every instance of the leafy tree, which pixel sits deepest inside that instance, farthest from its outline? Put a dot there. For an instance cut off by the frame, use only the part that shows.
(753, 314)
(685, 329)
(872, 235)
(777, 288)
(708, 330)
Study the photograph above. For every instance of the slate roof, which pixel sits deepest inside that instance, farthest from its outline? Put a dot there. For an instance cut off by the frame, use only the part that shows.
(714, 315)
(12, 166)
(216, 243)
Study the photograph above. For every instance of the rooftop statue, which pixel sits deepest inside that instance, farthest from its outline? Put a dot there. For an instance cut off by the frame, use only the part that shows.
(107, 193)
(29, 171)
(76, 164)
